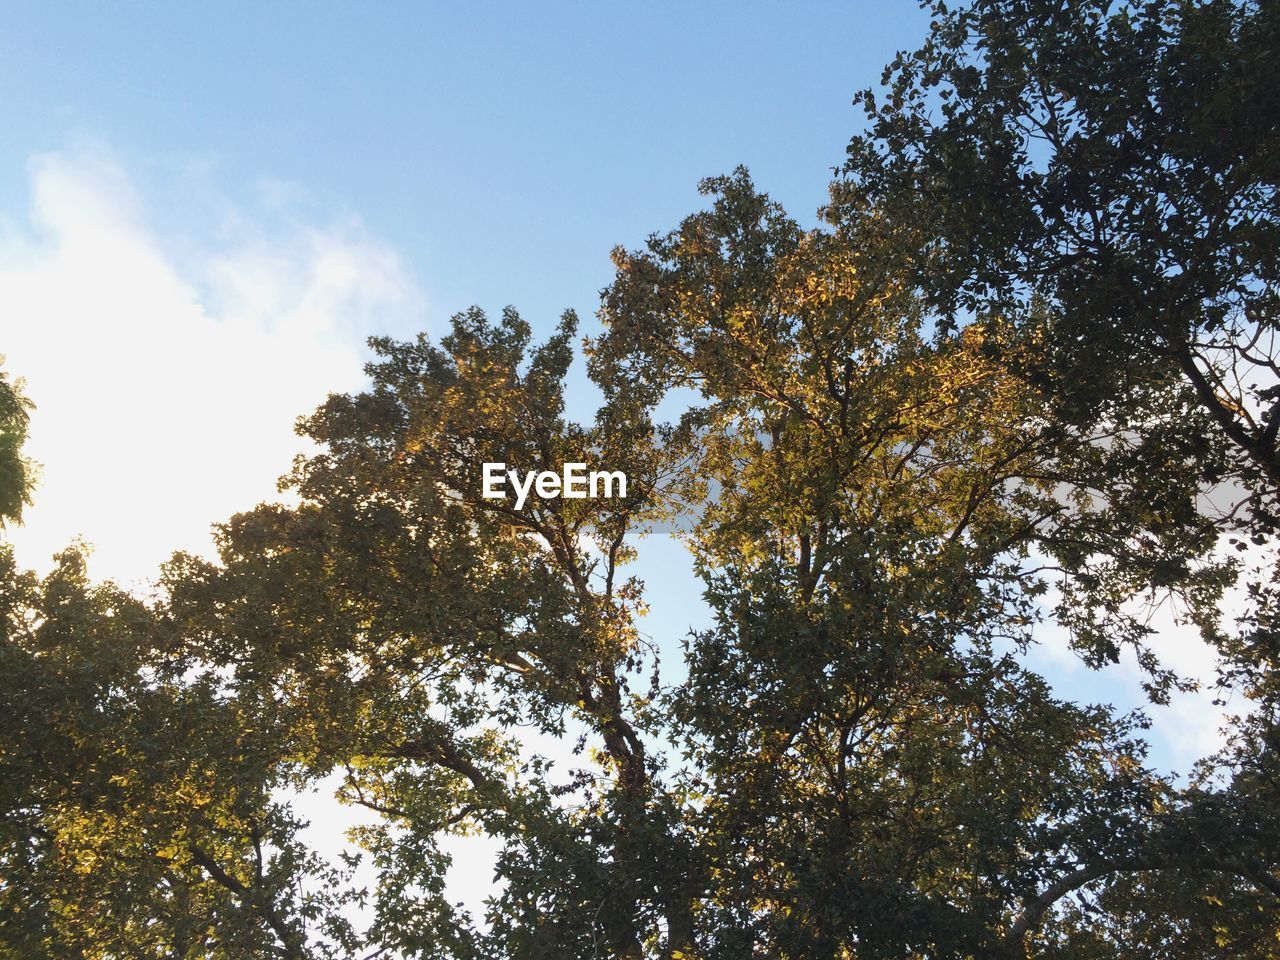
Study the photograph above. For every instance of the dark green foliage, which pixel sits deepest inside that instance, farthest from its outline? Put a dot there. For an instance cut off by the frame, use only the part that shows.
(15, 470)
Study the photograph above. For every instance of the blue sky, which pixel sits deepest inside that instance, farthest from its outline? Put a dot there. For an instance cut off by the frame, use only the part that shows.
(504, 149)
(205, 209)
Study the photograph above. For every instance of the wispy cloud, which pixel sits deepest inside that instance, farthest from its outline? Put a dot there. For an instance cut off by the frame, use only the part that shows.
(167, 372)
(1192, 724)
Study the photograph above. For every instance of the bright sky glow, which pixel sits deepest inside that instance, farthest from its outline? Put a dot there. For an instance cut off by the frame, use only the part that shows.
(165, 392)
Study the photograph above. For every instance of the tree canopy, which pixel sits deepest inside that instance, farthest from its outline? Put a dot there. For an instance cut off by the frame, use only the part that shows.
(967, 407)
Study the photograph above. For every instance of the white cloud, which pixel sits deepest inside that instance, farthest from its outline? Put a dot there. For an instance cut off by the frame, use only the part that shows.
(1191, 726)
(166, 379)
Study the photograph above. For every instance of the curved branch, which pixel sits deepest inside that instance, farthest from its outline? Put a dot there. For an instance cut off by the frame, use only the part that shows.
(291, 944)
(1034, 912)
(1256, 448)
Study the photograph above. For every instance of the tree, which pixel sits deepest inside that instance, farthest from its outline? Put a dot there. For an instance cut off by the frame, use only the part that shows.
(874, 557)
(1102, 177)
(404, 629)
(15, 470)
(899, 430)
(856, 763)
(1116, 159)
(139, 815)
